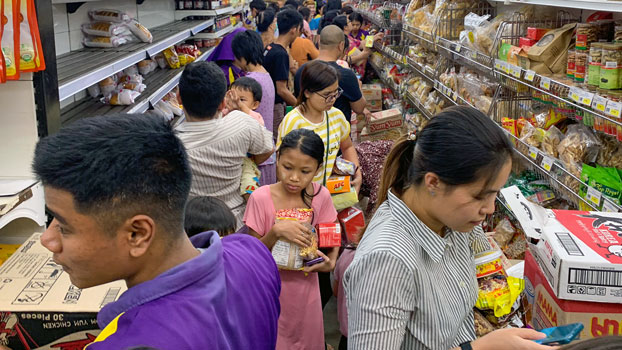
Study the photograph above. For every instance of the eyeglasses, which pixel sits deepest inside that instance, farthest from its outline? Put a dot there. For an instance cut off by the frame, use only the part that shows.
(332, 96)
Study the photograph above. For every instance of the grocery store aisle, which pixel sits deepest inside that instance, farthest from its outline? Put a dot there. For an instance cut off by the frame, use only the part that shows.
(331, 323)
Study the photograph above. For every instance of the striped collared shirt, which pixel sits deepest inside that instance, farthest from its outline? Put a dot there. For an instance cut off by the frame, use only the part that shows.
(409, 288)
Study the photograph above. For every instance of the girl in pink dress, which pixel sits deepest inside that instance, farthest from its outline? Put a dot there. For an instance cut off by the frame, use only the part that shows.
(296, 196)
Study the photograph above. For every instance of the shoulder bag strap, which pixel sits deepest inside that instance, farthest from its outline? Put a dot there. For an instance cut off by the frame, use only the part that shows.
(327, 145)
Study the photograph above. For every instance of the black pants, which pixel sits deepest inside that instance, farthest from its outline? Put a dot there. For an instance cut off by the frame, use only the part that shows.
(343, 343)
(326, 290)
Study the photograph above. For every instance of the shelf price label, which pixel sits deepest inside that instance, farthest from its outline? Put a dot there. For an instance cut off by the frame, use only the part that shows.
(515, 71)
(545, 83)
(458, 47)
(547, 163)
(530, 75)
(498, 64)
(586, 98)
(533, 152)
(609, 207)
(574, 94)
(599, 103)
(613, 109)
(593, 196)
(474, 55)
(455, 96)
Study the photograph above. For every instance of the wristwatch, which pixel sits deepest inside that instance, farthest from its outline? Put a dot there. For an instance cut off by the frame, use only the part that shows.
(466, 346)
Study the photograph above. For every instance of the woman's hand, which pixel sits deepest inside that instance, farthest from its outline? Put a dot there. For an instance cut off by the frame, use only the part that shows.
(357, 180)
(293, 231)
(327, 265)
(511, 339)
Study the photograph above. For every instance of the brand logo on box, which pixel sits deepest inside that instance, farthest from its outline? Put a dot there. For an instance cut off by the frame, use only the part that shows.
(385, 126)
(547, 308)
(601, 232)
(608, 327)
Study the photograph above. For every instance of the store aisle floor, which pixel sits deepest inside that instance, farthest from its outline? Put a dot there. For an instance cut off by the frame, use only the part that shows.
(331, 323)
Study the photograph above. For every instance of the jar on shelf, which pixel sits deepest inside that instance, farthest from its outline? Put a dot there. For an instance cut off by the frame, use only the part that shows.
(617, 33)
(571, 64)
(188, 4)
(580, 66)
(611, 65)
(595, 60)
(614, 129)
(587, 33)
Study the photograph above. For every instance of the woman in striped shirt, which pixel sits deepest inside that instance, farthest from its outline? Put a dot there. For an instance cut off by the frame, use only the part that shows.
(412, 283)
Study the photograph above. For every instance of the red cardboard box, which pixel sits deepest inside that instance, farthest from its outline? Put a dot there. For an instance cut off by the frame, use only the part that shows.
(536, 33)
(353, 222)
(329, 235)
(544, 309)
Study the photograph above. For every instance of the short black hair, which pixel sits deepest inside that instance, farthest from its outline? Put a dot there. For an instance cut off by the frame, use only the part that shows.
(288, 19)
(249, 84)
(329, 18)
(293, 3)
(118, 166)
(305, 13)
(259, 5)
(340, 21)
(289, 7)
(248, 45)
(202, 87)
(208, 213)
(355, 16)
(274, 6)
(264, 20)
(347, 10)
(333, 5)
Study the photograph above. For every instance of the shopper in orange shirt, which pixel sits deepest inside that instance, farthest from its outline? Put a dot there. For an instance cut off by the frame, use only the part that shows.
(303, 49)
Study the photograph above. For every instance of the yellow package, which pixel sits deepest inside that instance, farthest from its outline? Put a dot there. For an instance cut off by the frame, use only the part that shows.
(10, 40)
(345, 200)
(6, 250)
(172, 58)
(499, 293)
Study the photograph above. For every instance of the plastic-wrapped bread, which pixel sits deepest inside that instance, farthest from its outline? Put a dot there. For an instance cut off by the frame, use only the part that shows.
(106, 42)
(140, 31)
(105, 29)
(109, 15)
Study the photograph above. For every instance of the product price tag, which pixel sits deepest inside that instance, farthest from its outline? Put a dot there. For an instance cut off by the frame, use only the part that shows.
(574, 94)
(533, 152)
(404, 59)
(545, 83)
(599, 103)
(609, 207)
(613, 108)
(586, 98)
(498, 64)
(455, 96)
(515, 71)
(547, 163)
(474, 55)
(530, 75)
(458, 47)
(506, 67)
(593, 196)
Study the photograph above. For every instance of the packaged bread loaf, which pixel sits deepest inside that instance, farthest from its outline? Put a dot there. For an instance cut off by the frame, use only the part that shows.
(106, 15)
(140, 31)
(105, 29)
(106, 42)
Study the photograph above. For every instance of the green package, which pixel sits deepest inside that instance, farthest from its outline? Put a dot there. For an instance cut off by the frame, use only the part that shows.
(605, 180)
(504, 49)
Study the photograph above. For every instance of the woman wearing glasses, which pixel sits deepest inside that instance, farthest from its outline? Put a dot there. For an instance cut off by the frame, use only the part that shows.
(319, 89)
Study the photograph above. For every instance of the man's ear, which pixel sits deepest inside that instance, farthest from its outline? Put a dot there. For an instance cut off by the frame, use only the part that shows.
(342, 46)
(138, 233)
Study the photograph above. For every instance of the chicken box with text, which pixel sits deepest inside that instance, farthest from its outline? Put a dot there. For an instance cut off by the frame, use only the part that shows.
(41, 309)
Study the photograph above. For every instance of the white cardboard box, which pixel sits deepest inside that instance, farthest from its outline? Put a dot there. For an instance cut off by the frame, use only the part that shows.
(40, 308)
(580, 251)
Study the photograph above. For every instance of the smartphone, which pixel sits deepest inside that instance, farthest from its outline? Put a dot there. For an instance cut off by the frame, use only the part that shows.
(314, 261)
(561, 335)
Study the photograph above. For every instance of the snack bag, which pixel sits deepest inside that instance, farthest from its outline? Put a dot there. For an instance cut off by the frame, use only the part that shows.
(552, 138)
(531, 135)
(122, 98)
(10, 40)
(499, 293)
(36, 37)
(140, 31)
(109, 16)
(510, 125)
(344, 167)
(504, 231)
(105, 29)
(171, 57)
(287, 255)
(26, 45)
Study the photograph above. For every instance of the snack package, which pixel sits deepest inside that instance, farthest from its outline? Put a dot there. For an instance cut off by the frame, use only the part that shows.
(10, 39)
(510, 125)
(171, 57)
(482, 325)
(27, 49)
(531, 135)
(345, 200)
(105, 15)
(344, 167)
(605, 180)
(287, 255)
(552, 138)
(504, 231)
(106, 42)
(173, 102)
(164, 111)
(94, 90)
(140, 31)
(498, 293)
(138, 87)
(2, 63)
(329, 235)
(131, 70)
(578, 147)
(107, 86)
(122, 98)
(517, 247)
(132, 78)
(146, 66)
(105, 29)
(161, 60)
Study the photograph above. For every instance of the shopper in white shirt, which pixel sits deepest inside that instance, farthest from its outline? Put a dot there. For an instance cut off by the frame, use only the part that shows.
(216, 144)
(412, 282)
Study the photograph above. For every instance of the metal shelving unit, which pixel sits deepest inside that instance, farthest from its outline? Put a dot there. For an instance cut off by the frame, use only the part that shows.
(80, 69)
(217, 34)
(597, 5)
(181, 14)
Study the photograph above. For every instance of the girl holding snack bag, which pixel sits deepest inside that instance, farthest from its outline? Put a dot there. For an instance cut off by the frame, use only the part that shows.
(282, 216)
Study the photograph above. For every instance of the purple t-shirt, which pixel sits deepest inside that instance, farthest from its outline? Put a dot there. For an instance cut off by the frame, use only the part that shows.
(266, 107)
(225, 298)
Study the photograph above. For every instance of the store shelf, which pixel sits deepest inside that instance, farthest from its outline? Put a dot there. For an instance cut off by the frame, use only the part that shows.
(421, 71)
(426, 39)
(385, 80)
(217, 34)
(159, 83)
(418, 105)
(181, 14)
(465, 55)
(378, 20)
(597, 5)
(80, 69)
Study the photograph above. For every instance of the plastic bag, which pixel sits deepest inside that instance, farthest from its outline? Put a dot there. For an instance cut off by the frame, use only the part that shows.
(504, 231)
(531, 135)
(94, 90)
(290, 256)
(134, 78)
(578, 147)
(107, 86)
(171, 57)
(105, 29)
(344, 167)
(147, 66)
(552, 138)
(482, 325)
(121, 98)
(499, 293)
(161, 60)
(165, 111)
(105, 15)
(138, 87)
(10, 40)
(140, 31)
(107, 42)
(605, 180)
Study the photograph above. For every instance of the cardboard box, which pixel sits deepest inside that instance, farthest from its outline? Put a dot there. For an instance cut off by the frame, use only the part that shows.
(353, 222)
(544, 309)
(373, 96)
(536, 34)
(329, 235)
(338, 184)
(385, 120)
(391, 134)
(374, 105)
(40, 308)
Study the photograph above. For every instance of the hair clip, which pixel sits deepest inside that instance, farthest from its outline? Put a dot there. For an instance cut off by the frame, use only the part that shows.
(412, 136)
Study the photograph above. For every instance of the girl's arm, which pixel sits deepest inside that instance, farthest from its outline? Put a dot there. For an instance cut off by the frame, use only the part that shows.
(349, 153)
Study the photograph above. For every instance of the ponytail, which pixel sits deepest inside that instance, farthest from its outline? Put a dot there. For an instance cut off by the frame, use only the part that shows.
(395, 170)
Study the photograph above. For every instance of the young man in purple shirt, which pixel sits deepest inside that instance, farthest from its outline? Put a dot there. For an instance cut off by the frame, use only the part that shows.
(117, 187)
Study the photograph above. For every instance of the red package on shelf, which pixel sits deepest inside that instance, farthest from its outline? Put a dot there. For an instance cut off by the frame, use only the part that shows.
(536, 33)
(526, 43)
(353, 222)
(329, 235)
